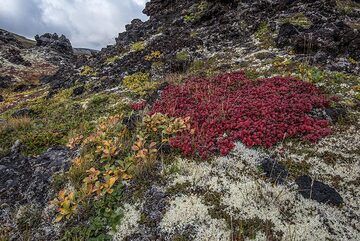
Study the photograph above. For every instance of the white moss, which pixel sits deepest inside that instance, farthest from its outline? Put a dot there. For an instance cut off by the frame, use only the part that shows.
(129, 223)
(190, 210)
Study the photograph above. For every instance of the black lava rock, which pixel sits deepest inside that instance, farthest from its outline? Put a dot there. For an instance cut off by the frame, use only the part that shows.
(23, 87)
(273, 170)
(156, 94)
(5, 81)
(14, 56)
(321, 192)
(27, 179)
(60, 44)
(131, 121)
(8, 38)
(23, 112)
(78, 91)
(287, 30)
(63, 78)
(335, 113)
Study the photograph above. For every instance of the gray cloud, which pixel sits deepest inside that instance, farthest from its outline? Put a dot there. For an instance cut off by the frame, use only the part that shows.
(87, 23)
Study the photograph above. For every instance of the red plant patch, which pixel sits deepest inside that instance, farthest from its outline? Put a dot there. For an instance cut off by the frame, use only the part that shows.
(138, 105)
(231, 107)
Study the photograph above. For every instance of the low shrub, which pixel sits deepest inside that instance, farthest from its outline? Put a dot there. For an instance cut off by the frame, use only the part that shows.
(109, 156)
(140, 83)
(231, 107)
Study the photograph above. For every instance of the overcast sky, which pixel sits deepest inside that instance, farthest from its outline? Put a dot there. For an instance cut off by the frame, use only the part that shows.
(87, 23)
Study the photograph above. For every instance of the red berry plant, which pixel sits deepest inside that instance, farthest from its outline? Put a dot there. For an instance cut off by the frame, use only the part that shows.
(138, 105)
(231, 107)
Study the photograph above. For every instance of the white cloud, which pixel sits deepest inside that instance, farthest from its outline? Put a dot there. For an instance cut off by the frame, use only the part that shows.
(87, 23)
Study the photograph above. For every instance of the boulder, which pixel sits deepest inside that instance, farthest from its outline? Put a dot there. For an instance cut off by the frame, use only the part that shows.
(274, 171)
(78, 91)
(318, 191)
(14, 56)
(25, 180)
(5, 81)
(60, 44)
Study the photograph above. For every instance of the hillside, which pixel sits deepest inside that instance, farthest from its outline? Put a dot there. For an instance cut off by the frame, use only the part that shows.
(212, 120)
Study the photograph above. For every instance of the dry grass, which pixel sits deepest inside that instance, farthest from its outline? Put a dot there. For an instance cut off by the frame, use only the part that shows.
(175, 78)
(15, 124)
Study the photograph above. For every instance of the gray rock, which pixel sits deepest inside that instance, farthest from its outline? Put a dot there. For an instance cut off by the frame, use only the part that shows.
(30, 176)
(23, 112)
(60, 44)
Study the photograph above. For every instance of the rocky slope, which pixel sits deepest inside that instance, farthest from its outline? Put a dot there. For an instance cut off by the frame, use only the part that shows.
(150, 139)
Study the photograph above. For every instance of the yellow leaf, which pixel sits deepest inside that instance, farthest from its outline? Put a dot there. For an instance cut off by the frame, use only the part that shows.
(64, 211)
(126, 176)
(58, 218)
(71, 196)
(112, 181)
(62, 194)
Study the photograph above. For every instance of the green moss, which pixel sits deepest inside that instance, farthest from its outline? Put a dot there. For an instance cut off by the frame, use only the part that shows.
(247, 229)
(112, 59)
(28, 220)
(189, 18)
(206, 67)
(297, 168)
(179, 188)
(264, 35)
(138, 46)
(312, 74)
(196, 12)
(140, 84)
(183, 56)
(88, 71)
(298, 19)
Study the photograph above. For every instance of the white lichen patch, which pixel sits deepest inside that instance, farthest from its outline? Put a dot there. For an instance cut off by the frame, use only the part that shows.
(190, 211)
(129, 223)
(191, 172)
(246, 196)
